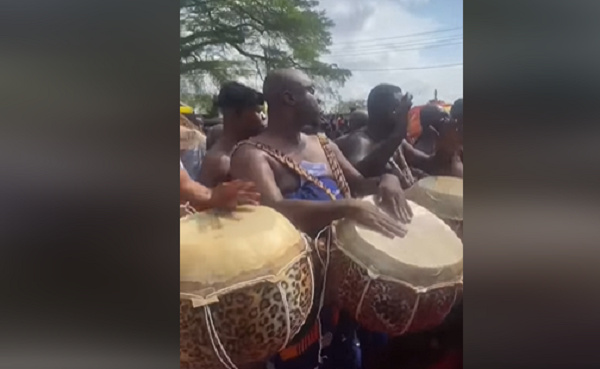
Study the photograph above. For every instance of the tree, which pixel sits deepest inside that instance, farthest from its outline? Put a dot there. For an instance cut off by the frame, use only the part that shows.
(225, 39)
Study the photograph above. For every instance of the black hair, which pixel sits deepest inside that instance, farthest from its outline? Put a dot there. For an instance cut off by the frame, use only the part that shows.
(430, 114)
(380, 97)
(457, 109)
(234, 95)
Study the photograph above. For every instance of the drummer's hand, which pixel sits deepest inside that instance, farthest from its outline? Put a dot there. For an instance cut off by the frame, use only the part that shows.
(229, 195)
(370, 216)
(392, 200)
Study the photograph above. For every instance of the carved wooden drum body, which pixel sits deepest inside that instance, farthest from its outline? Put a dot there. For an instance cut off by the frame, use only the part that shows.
(246, 287)
(401, 285)
(443, 196)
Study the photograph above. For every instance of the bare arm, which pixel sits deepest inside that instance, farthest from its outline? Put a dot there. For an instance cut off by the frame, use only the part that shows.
(416, 158)
(370, 162)
(189, 190)
(250, 164)
(359, 185)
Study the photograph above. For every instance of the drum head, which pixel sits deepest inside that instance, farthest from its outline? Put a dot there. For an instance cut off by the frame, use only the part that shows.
(219, 250)
(429, 254)
(441, 195)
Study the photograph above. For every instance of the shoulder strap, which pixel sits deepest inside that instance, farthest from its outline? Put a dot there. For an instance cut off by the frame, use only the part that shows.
(286, 161)
(335, 166)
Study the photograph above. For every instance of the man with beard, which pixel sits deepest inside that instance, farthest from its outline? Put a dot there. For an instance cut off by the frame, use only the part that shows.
(308, 179)
(242, 109)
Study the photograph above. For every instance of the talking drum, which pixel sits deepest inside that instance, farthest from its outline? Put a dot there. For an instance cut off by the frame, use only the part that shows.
(246, 286)
(443, 196)
(400, 285)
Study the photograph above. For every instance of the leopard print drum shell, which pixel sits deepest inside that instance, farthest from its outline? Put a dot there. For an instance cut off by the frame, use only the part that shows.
(246, 287)
(401, 285)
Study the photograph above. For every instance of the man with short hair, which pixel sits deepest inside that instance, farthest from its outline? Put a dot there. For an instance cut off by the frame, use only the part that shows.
(242, 109)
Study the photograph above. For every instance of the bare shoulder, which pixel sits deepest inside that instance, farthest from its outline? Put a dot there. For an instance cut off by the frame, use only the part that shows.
(245, 160)
(245, 152)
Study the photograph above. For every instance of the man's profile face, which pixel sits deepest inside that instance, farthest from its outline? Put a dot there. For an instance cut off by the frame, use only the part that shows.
(308, 104)
(252, 120)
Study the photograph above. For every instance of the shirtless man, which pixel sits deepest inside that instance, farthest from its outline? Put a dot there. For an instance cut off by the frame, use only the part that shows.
(292, 104)
(242, 108)
(280, 161)
(371, 149)
(382, 148)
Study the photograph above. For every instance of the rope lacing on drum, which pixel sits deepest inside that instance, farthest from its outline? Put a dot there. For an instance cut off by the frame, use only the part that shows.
(412, 314)
(324, 286)
(214, 337)
(218, 347)
(362, 298)
(288, 324)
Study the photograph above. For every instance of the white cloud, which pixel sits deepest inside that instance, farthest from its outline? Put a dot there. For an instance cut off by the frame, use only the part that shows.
(367, 23)
(362, 32)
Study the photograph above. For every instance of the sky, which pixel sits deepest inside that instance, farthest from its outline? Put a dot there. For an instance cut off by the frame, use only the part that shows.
(373, 37)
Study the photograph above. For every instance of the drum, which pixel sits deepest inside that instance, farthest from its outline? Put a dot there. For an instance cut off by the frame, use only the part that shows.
(400, 285)
(246, 286)
(443, 196)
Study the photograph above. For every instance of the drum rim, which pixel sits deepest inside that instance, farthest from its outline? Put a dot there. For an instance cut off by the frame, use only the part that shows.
(451, 208)
(208, 293)
(383, 275)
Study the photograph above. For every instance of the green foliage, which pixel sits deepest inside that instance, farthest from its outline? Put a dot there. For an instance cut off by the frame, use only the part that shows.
(226, 39)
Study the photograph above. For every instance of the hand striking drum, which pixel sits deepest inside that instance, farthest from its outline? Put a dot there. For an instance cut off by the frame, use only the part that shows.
(246, 286)
(398, 285)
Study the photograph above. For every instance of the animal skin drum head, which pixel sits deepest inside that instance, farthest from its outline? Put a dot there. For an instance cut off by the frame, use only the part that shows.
(428, 254)
(441, 195)
(219, 250)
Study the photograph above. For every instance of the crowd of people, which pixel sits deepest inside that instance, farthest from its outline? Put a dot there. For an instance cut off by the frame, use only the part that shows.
(251, 158)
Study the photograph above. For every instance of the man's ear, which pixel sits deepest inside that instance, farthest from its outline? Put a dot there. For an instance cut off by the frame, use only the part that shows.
(288, 98)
